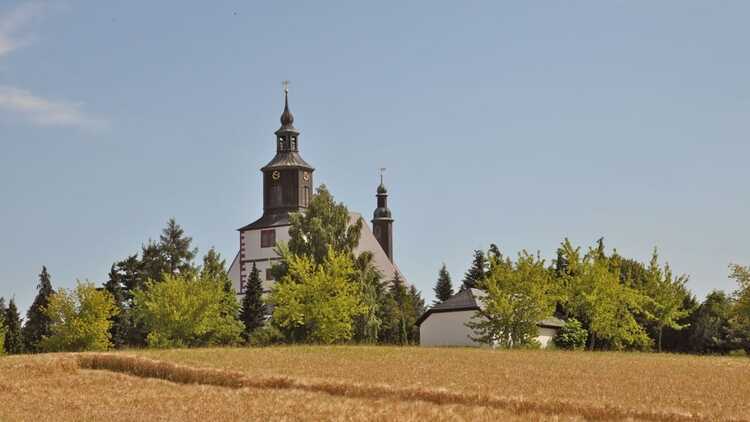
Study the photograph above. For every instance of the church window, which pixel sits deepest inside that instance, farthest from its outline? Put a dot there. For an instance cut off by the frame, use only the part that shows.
(269, 276)
(267, 238)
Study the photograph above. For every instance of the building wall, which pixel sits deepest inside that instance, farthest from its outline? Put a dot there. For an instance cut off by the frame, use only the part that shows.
(251, 252)
(449, 329)
(446, 329)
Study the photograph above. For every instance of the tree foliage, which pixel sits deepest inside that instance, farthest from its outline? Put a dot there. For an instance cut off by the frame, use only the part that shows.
(37, 324)
(13, 336)
(317, 302)
(667, 294)
(476, 273)
(187, 310)
(444, 286)
(80, 319)
(3, 328)
(571, 336)
(252, 313)
(516, 297)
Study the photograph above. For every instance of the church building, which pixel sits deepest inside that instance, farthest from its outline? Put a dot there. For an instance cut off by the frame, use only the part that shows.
(288, 187)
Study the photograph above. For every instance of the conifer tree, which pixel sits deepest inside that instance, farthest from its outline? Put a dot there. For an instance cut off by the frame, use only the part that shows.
(252, 313)
(37, 322)
(176, 249)
(2, 326)
(476, 274)
(444, 286)
(417, 309)
(13, 337)
(400, 295)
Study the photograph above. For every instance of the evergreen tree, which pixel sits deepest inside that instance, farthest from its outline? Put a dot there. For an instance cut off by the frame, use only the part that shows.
(417, 309)
(13, 337)
(125, 277)
(400, 295)
(711, 332)
(176, 249)
(444, 286)
(368, 325)
(215, 267)
(477, 273)
(37, 322)
(3, 311)
(252, 314)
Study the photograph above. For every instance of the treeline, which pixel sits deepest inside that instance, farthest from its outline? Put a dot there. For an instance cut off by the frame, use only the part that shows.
(159, 297)
(609, 302)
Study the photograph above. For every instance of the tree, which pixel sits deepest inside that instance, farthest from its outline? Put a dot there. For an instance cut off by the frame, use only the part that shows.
(125, 277)
(186, 310)
(176, 250)
(711, 331)
(38, 323)
(516, 298)
(667, 295)
(13, 336)
(740, 316)
(317, 302)
(444, 286)
(476, 273)
(571, 336)
(417, 309)
(324, 225)
(80, 320)
(3, 328)
(252, 314)
(367, 326)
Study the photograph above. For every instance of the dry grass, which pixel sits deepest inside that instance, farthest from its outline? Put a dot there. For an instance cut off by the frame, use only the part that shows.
(374, 383)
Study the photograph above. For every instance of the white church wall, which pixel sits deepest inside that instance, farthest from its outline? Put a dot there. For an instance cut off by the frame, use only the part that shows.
(254, 253)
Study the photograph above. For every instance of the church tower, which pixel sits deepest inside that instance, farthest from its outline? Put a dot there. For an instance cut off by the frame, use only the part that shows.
(287, 179)
(382, 223)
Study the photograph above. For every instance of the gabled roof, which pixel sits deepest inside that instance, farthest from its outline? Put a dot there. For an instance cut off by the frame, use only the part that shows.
(368, 242)
(470, 300)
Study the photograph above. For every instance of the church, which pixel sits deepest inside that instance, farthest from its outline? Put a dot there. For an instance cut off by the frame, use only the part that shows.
(287, 188)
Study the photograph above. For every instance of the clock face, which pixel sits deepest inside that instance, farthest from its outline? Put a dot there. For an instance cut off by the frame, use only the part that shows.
(306, 176)
(276, 175)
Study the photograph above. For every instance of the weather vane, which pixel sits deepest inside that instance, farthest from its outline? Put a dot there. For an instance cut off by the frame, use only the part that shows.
(285, 84)
(382, 170)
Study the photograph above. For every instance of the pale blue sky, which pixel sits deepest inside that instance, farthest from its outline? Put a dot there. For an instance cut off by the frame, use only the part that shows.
(517, 123)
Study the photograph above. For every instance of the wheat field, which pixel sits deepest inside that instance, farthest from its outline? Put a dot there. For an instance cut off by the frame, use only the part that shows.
(372, 383)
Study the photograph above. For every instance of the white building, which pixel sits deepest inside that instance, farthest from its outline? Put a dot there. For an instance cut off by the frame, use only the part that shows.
(445, 323)
(287, 188)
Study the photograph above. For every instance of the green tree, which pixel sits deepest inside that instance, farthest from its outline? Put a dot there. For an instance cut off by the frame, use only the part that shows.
(711, 332)
(444, 286)
(13, 336)
(516, 297)
(368, 278)
(186, 310)
(37, 323)
(176, 249)
(125, 277)
(325, 224)
(317, 302)
(740, 316)
(667, 295)
(80, 319)
(417, 309)
(3, 328)
(476, 273)
(252, 314)
(571, 336)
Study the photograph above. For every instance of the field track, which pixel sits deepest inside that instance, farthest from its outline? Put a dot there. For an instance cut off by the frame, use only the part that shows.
(149, 368)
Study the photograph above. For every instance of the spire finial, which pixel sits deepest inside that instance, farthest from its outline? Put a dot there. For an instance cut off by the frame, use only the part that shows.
(381, 188)
(287, 119)
(382, 170)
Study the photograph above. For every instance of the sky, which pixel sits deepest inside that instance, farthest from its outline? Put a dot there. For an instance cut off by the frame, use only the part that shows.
(515, 123)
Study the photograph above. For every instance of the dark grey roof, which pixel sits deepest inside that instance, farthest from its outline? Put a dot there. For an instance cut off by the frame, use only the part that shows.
(464, 300)
(287, 159)
(551, 322)
(268, 220)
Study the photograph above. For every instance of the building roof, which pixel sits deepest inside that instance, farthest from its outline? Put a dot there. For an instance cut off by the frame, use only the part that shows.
(470, 300)
(287, 159)
(368, 242)
(267, 221)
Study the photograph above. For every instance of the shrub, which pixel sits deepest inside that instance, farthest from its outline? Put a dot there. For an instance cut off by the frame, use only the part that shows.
(571, 336)
(266, 335)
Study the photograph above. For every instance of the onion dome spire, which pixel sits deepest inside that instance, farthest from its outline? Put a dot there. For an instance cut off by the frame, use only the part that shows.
(287, 118)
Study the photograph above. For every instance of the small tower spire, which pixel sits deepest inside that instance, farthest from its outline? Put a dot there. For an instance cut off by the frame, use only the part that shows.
(287, 118)
(382, 222)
